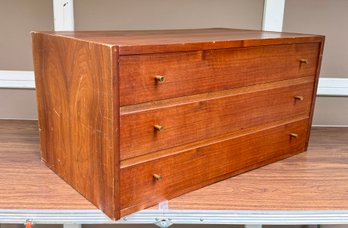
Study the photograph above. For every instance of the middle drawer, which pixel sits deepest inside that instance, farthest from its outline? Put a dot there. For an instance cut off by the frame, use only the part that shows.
(153, 127)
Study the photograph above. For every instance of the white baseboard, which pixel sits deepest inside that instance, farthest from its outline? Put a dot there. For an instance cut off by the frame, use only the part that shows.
(25, 80)
(326, 125)
(19, 119)
(10, 79)
(333, 87)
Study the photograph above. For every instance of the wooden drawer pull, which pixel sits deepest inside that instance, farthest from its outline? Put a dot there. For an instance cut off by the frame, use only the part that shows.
(304, 61)
(158, 127)
(300, 98)
(160, 78)
(157, 177)
(293, 135)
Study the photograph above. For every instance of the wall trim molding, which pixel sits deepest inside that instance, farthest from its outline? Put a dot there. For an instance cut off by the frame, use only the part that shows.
(63, 13)
(10, 79)
(329, 125)
(273, 15)
(335, 87)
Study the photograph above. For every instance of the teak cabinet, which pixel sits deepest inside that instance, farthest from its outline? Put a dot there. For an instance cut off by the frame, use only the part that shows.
(132, 118)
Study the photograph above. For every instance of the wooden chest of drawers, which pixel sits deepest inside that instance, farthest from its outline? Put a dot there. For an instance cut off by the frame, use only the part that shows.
(132, 118)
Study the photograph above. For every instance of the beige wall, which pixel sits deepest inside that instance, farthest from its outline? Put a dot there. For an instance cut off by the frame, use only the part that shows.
(167, 14)
(331, 111)
(328, 18)
(18, 104)
(324, 17)
(17, 19)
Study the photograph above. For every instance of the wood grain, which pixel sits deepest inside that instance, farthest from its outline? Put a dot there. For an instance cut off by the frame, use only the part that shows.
(194, 168)
(188, 122)
(302, 182)
(205, 142)
(189, 73)
(315, 180)
(97, 99)
(25, 182)
(77, 119)
(155, 41)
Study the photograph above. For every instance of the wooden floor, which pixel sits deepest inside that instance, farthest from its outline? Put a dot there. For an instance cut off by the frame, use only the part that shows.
(314, 180)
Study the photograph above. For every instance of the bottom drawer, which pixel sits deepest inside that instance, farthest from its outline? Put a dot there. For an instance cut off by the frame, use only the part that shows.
(147, 183)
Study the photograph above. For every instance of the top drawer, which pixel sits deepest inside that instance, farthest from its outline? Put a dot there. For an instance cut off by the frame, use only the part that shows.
(188, 73)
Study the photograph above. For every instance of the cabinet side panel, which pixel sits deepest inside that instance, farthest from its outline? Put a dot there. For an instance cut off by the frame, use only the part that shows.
(74, 84)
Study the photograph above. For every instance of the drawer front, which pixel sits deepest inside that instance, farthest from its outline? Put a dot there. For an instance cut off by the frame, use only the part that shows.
(189, 73)
(185, 123)
(147, 183)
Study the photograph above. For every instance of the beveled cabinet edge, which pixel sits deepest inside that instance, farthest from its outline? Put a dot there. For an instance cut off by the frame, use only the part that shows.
(113, 210)
(315, 87)
(37, 56)
(116, 116)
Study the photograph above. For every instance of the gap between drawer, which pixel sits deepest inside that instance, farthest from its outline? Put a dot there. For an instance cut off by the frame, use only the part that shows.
(130, 109)
(179, 149)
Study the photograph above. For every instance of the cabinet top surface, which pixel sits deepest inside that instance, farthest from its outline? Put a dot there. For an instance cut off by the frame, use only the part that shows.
(149, 41)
